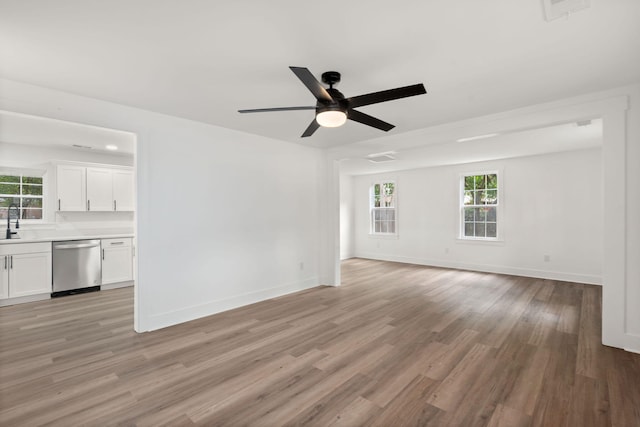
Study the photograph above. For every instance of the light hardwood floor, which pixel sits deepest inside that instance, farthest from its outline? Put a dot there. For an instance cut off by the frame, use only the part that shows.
(396, 345)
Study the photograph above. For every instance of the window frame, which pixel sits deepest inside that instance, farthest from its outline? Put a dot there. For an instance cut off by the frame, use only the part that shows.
(373, 208)
(498, 207)
(21, 196)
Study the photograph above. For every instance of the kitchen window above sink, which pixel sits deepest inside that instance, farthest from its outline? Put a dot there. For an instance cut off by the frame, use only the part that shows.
(25, 190)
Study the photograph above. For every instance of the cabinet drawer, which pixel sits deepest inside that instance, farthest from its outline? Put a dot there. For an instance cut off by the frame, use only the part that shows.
(24, 248)
(124, 242)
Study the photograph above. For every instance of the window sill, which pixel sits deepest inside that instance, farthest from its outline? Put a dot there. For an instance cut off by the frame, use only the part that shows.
(383, 236)
(491, 242)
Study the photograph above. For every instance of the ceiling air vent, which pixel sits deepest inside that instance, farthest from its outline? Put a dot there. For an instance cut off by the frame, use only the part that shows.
(86, 147)
(554, 9)
(381, 157)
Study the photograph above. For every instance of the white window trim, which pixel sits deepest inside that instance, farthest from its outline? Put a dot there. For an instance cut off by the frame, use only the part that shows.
(372, 234)
(499, 209)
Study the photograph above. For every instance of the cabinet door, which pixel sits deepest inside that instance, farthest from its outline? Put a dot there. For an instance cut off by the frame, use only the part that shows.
(4, 276)
(99, 189)
(29, 274)
(71, 188)
(117, 261)
(123, 199)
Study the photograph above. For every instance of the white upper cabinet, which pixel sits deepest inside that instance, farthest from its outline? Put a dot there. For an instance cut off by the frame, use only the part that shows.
(123, 199)
(95, 189)
(99, 189)
(72, 188)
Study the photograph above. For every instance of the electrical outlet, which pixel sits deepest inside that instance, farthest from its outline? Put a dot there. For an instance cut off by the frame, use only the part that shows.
(301, 265)
(547, 258)
(446, 250)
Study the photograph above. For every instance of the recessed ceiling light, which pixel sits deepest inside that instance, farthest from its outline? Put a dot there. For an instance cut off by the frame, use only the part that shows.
(386, 156)
(381, 159)
(384, 153)
(111, 147)
(473, 138)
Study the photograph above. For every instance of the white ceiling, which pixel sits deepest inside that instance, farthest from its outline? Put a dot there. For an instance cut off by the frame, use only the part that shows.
(205, 59)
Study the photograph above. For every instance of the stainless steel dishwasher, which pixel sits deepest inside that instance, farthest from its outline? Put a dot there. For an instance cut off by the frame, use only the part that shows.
(76, 267)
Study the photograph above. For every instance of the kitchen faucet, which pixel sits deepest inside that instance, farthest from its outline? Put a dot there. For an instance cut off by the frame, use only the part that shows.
(9, 232)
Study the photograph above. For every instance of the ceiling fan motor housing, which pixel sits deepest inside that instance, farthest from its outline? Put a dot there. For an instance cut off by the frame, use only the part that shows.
(331, 77)
(339, 102)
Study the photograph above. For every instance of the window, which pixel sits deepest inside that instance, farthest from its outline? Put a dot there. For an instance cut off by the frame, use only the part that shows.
(479, 210)
(383, 208)
(23, 191)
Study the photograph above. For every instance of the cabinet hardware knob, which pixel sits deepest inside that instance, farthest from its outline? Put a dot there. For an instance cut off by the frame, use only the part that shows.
(88, 205)
(58, 204)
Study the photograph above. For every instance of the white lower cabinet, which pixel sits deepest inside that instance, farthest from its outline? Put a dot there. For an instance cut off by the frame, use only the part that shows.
(4, 277)
(26, 269)
(117, 260)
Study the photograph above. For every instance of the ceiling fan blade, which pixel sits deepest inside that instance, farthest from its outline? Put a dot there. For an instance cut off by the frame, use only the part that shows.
(386, 95)
(365, 119)
(313, 126)
(265, 110)
(312, 84)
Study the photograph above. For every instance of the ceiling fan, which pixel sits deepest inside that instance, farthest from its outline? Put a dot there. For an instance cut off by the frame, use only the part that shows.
(333, 109)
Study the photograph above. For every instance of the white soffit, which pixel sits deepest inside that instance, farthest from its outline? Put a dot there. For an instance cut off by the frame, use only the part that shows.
(44, 132)
(564, 137)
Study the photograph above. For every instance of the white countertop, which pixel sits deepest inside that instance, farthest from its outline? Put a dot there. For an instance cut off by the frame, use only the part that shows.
(31, 237)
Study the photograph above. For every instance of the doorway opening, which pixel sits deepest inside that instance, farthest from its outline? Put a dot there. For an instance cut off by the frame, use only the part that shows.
(77, 184)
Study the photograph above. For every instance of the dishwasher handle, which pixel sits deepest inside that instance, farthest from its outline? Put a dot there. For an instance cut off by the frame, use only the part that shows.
(77, 245)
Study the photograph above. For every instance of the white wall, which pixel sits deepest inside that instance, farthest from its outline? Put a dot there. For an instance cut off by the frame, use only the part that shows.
(224, 218)
(347, 217)
(551, 205)
(230, 219)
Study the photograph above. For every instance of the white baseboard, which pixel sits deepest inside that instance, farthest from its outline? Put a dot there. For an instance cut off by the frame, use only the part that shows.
(20, 300)
(486, 268)
(116, 285)
(163, 320)
(632, 343)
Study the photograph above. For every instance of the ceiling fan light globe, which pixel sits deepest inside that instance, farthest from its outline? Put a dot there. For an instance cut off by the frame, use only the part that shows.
(331, 118)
